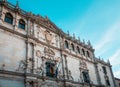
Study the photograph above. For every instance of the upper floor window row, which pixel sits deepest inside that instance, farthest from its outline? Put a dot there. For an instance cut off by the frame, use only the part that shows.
(9, 19)
(80, 51)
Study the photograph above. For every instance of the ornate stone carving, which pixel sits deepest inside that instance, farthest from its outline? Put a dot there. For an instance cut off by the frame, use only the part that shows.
(49, 53)
(39, 70)
(83, 65)
(28, 84)
(70, 76)
(48, 36)
(38, 53)
(3, 67)
(60, 76)
(22, 66)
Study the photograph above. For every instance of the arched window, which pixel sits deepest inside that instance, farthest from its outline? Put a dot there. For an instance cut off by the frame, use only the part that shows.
(8, 18)
(88, 54)
(66, 44)
(72, 46)
(78, 49)
(21, 24)
(83, 51)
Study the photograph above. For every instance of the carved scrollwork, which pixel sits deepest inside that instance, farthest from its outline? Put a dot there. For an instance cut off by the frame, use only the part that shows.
(60, 76)
(22, 66)
(40, 69)
(83, 65)
(70, 76)
(38, 53)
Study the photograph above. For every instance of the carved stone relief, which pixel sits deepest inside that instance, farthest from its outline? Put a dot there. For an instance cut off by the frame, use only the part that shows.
(40, 69)
(70, 76)
(31, 28)
(48, 37)
(38, 53)
(29, 67)
(3, 67)
(83, 65)
(57, 39)
(22, 66)
(60, 76)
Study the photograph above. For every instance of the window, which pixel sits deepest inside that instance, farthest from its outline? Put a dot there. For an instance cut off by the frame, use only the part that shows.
(86, 77)
(88, 54)
(78, 49)
(21, 24)
(83, 51)
(104, 70)
(8, 18)
(108, 82)
(50, 69)
(72, 46)
(66, 44)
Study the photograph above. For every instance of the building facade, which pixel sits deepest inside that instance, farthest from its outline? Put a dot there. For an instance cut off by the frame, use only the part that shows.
(117, 80)
(34, 52)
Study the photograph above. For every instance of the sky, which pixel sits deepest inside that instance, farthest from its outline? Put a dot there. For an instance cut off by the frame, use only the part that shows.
(94, 20)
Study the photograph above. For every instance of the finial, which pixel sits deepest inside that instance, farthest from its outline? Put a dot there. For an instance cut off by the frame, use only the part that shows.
(17, 4)
(99, 58)
(83, 41)
(89, 43)
(73, 35)
(78, 38)
(46, 17)
(108, 61)
(68, 32)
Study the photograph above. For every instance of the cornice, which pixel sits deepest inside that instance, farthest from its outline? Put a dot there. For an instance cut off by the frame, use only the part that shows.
(45, 22)
(40, 42)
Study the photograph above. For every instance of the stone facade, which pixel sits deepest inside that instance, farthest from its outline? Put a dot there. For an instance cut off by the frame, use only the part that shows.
(117, 80)
(34, 52)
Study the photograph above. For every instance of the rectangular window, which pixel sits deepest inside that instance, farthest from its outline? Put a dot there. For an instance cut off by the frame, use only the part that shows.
(50, 72)
(86, 77)
(108, 82)
(104, 70)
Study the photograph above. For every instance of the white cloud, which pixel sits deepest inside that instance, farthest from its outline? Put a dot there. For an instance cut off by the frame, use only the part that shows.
(115, 58)
(117, 74)
(115, 62)
(108, 38)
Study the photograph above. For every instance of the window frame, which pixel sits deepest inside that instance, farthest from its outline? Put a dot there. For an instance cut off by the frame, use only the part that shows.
(83, 51)
(21, 24)
(78, 49)
(8, 18)
(50, 71)
(73, 47)
(88, 53)
(66, 44)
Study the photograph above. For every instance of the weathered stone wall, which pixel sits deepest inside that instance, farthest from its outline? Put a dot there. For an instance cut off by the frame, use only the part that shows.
(12, 50)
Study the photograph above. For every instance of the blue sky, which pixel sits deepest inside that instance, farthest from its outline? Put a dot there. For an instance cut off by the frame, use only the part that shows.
(94, 20)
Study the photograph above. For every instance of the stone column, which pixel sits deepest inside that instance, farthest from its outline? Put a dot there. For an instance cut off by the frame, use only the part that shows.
(66, 66)
(1, 14)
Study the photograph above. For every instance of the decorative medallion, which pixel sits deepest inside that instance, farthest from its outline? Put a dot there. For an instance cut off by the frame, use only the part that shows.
(48, 36)
(38, 53)
(83, 65)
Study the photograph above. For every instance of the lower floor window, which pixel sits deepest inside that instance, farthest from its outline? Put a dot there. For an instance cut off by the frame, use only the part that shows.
(108, 82)
(86, 77)
(50, 69)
